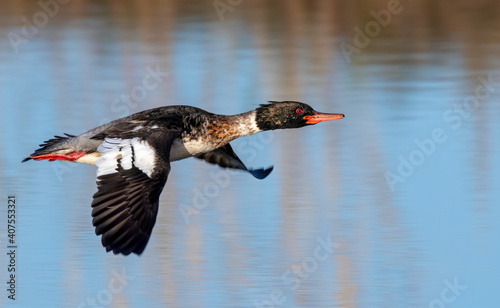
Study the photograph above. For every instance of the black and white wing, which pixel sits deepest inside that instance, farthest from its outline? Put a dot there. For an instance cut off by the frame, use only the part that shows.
(225, 157)
(130, 177)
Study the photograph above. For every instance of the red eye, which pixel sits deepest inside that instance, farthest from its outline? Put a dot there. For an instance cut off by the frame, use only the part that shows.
(298, 111)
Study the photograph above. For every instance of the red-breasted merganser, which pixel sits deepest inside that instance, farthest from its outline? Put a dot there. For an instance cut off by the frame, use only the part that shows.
(133, 156)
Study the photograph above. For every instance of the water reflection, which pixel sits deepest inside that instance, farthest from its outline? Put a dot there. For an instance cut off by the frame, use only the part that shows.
(255, 241)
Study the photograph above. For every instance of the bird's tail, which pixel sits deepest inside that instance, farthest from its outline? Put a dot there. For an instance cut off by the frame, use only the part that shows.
(52, 149)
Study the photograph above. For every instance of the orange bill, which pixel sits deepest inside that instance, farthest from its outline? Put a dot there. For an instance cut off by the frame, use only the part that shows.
(320, 117)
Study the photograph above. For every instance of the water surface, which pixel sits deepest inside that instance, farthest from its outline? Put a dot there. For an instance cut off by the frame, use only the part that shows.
(393, 206)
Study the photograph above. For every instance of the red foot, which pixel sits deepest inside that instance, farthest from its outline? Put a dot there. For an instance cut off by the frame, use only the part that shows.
(67, 157)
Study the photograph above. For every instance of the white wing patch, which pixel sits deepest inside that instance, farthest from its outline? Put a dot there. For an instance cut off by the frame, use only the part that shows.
(132, 152)
(107, 163)
(144, 156)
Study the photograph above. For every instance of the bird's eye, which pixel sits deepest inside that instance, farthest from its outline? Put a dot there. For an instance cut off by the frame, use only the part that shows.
(298, 111)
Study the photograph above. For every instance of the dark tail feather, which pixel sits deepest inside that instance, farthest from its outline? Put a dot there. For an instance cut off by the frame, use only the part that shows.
(47, 146)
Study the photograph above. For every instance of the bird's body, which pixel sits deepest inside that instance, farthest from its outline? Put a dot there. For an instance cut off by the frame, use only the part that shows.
(133, 156)
(200, 132)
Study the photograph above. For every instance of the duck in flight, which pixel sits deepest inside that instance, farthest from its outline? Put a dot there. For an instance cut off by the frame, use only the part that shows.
(133, 156)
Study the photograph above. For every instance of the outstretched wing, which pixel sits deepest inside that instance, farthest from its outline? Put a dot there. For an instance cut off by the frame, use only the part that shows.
(130, 177)
(225, 157)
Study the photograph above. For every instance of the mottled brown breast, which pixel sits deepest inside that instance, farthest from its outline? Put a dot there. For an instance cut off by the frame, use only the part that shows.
(220, 132)
(217, 131)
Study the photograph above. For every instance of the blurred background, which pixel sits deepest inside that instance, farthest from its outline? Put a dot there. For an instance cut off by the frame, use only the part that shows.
(397, 205)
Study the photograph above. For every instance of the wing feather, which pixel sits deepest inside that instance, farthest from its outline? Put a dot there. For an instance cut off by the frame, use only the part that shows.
(130, 177)
(226, 158)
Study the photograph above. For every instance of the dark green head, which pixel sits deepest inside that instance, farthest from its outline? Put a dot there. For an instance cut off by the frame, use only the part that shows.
(289, 114)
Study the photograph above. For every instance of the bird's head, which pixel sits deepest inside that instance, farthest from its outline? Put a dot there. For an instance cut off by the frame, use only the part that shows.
(279, 115)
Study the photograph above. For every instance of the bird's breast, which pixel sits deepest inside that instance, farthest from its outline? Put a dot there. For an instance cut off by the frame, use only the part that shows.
(208, 137)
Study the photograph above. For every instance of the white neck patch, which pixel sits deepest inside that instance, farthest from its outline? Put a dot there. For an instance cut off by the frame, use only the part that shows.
(248, 125)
